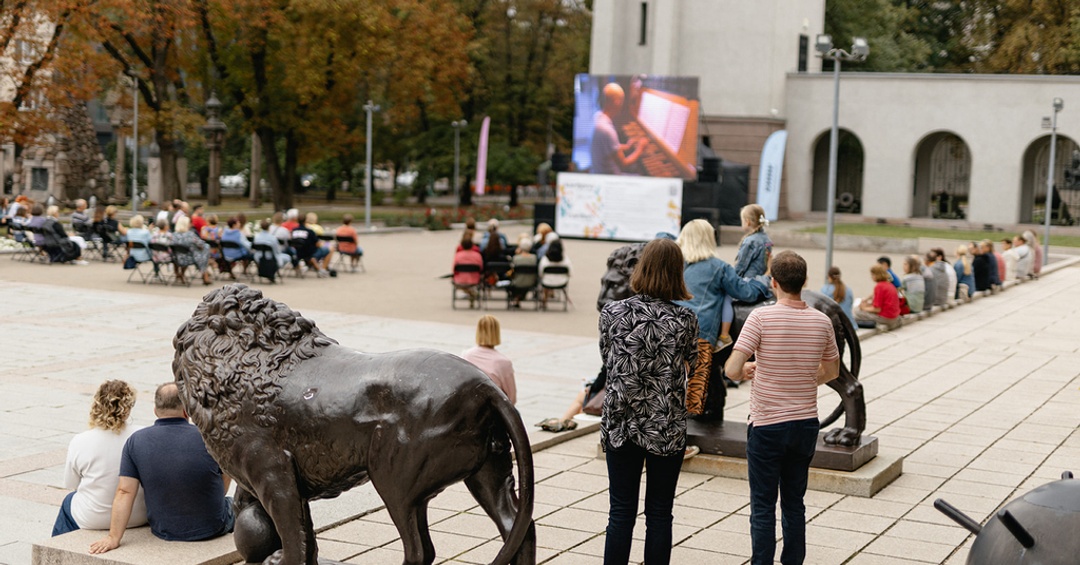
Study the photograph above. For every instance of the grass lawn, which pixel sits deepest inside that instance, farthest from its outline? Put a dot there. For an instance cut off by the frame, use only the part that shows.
(906, 232)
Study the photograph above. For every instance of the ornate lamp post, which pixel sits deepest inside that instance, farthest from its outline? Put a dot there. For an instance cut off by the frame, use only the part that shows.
(369, 108)
(215, 138)
(859, 51)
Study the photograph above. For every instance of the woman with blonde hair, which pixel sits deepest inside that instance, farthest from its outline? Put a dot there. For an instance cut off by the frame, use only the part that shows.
(710, 281)
(495, 364)
(965, 276)
(93, 463)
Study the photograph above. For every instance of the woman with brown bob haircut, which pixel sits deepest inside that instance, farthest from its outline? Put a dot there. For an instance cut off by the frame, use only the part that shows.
(649, 347)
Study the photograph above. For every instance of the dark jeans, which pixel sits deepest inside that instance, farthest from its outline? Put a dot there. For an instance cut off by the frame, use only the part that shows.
(624, 479)
(778, 459)
(65, 522)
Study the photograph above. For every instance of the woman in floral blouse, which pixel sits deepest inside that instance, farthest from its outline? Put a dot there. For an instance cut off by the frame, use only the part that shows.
(649, 346)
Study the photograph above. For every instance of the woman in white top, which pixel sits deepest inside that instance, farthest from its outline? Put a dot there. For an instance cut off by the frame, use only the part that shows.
(93, 463)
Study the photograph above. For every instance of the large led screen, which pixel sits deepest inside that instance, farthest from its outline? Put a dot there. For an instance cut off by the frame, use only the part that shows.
(636, 125)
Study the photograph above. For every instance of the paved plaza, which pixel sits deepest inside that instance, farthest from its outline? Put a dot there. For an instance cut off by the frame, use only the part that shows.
(981, 401)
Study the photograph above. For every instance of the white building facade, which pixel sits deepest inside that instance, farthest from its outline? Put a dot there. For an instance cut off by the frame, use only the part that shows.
(966, 147)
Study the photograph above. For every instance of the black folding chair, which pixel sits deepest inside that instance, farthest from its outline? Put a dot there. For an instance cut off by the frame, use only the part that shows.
(111, 243)
(555, 292)
(521, 293)
(226, 264)
(180, 271)
(264, 253)
(161, 257)
(93, 242)
(470, 292)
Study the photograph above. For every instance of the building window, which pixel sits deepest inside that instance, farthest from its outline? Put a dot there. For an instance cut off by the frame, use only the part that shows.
(644, 22)
(39, 179)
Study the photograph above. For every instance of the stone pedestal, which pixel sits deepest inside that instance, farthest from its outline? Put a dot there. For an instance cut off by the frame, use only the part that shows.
(729, 438)
(155, 187)
(138, 547)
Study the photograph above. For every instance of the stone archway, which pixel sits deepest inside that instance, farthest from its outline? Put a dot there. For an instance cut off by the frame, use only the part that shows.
(942, 177)
(1066, 179)
(849, 173)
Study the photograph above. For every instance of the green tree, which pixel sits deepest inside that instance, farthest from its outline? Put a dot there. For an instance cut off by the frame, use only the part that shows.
(1028, 36)
(887, 27)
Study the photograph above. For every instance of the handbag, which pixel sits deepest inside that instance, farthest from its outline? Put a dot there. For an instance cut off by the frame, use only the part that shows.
(904, 308)
(595, 405)
(129, 263)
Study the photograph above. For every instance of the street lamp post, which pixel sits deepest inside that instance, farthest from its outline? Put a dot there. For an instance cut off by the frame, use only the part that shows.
(369, 108)
(1059, 104)
(859, 51)
(457, 125)
(215, 139)
(135, 153)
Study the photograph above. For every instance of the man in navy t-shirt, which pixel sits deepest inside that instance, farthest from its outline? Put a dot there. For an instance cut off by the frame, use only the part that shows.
(184, 487)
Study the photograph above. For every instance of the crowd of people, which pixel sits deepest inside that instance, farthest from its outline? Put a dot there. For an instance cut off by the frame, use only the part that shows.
(196, 240)
(931, 280)
(521, 268)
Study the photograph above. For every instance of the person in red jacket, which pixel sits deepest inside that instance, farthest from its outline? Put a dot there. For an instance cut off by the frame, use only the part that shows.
(883, 307)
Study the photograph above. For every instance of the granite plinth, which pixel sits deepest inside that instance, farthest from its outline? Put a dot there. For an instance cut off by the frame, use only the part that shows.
(139, 547)
(729, 438)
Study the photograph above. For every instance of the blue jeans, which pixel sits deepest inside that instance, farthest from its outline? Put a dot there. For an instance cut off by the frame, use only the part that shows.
(624, 479)
(65, 522)
(778, 460)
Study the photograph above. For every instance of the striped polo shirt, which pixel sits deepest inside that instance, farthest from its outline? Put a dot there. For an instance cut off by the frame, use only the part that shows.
(790, 341)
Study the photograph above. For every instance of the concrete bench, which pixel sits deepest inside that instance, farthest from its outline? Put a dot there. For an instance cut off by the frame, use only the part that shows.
(139, 547)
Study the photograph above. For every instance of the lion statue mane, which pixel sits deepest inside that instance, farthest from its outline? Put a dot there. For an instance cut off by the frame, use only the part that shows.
(292, 417)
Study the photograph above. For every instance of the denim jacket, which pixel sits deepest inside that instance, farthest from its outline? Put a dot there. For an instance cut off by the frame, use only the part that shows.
(710, 281)
(751, 260)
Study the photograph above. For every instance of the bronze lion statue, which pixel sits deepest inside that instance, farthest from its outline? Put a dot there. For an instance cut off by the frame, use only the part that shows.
(615, 285)
(292, 416)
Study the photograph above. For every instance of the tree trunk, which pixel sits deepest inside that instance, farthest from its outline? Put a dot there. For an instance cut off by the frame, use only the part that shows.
(513, 195)
(267, 139)
(292, 177)
(170, 182)
(466, 193)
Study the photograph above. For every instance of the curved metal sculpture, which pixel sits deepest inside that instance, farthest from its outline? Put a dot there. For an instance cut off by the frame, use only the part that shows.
(1039, 527)
(292, 417)
(615, 285)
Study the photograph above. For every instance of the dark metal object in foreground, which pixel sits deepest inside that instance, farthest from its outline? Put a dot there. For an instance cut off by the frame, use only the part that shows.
(292, 417)
(1037, 528)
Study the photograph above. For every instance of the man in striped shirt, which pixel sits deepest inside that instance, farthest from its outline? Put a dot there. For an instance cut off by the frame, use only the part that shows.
(796, 352)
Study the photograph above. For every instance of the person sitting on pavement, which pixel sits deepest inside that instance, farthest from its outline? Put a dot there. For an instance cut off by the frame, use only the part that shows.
(883, 306)
(964, 275)
(950, 273)
(883, 260)
(352, 250)
(266, 237)
(1025, 257)
(913, 284)
(93, 464)
(941, 278)
(497, 366)
(1009, 259)
(184, 487)
(840, 293)
(997, 264)
(1036, 250)
(981, 268)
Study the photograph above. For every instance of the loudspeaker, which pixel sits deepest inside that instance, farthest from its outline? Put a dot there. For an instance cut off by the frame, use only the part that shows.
(710, 170)
(560, 162)
(734, 192)
(543, 213)
(804, 51)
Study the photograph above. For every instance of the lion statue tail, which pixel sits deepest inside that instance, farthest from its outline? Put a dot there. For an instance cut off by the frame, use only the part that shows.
(519, 438)
(851, 339)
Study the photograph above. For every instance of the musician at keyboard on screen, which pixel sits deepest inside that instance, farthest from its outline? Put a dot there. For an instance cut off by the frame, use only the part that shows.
(610, 157)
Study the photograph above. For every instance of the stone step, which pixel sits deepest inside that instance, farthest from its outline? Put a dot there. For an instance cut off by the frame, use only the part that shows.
(139, 547)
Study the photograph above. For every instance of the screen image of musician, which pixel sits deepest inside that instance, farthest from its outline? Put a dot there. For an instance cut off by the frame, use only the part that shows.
(626, 126)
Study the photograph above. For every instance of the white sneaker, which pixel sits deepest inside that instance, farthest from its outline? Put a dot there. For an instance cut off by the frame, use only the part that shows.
(323, 273)
(80, 262)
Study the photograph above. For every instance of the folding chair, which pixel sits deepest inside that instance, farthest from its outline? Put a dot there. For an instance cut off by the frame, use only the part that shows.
(161, 257)
(180, 271)
(495, 278)
(470, 292)
(551, 292)
(93, 242)
(512, 290)
(26, 250)
(111, 243)
(341, 255)
(140, 265)
(299, 260)
(261, 252)
(226, 264)
(39, 253)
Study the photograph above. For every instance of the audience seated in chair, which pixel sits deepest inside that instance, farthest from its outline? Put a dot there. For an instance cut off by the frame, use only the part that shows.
(189, 250)
(61, 247)
(468, 281)
(266, 237)
(555, 257)
(523, 280)
(345, 247)
(309, 248)
(93, 464)
(324, 253)
(240, 252)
